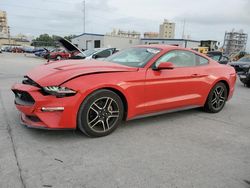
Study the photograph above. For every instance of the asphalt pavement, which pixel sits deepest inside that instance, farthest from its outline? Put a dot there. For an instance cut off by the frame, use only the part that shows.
(182, 149)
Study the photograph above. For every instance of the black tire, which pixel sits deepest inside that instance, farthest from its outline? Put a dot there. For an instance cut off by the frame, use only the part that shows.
(58, 57)
(100, 113)
(217, 98)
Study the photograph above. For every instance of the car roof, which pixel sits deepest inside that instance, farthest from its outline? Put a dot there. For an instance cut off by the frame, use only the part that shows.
(164, 47)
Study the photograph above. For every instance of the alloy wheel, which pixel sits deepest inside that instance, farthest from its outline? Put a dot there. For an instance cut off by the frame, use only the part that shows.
(103, 114)
(218, 98)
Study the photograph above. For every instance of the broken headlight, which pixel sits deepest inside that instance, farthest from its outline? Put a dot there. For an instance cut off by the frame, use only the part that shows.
(59, 91)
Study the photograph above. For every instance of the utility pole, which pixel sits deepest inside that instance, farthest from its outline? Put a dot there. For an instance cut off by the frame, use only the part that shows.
(183, 32)
(84, 16)
(9, 34)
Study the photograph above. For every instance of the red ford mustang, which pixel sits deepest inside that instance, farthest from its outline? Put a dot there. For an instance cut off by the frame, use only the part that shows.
(96, 96)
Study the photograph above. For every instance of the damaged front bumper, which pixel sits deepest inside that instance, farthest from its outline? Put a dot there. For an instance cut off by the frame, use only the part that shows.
(45, 111)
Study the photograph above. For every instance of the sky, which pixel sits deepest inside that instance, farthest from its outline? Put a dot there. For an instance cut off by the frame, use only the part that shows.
(205, 20)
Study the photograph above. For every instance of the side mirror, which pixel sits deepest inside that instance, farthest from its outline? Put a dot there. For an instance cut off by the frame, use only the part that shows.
(165, 65)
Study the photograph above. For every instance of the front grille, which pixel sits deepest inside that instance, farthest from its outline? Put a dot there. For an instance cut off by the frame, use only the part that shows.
(29, 81)
(23, 98)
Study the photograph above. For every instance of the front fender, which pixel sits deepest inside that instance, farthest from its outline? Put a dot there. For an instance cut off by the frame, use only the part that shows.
(133, 91)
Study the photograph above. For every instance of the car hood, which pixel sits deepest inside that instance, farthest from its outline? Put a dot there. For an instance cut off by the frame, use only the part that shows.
(67, 44)
(57, 73)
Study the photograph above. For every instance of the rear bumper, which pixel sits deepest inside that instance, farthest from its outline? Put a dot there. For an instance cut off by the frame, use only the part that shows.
(61, 113)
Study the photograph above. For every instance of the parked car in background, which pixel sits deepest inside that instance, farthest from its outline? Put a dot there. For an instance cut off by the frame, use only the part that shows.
(41, 53)
(37, 50)
(95, 96)
(97, 53)
(75, 53)
(219, 57)
(242, 67)
(61, 54)
(7, 49)
(17, 49)
(45, 55)
(28, 49)
(0, 50)
(70, 51)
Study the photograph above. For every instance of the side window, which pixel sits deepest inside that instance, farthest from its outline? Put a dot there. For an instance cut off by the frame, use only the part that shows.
(179, 58)
(201, 60)
(103, 54)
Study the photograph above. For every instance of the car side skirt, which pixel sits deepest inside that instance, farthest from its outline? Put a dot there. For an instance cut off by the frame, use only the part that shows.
(164, 112)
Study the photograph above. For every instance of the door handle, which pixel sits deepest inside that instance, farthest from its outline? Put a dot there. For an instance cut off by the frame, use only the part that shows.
(196, 75)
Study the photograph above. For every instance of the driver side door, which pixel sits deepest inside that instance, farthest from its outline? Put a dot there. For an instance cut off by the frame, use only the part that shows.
(179, 87)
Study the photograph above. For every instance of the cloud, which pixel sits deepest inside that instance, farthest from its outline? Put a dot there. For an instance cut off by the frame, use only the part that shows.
(222, 12)
(204, 19)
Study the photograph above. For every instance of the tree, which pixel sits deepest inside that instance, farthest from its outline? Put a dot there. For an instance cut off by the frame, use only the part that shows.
(44, 40)
(69, 37)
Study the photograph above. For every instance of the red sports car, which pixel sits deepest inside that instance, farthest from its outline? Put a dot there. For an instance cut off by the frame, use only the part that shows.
(96, 96)
(61, 54)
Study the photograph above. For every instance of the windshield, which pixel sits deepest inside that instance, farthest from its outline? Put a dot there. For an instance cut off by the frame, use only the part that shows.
(245, 59)
(133, 57)
(89, 52)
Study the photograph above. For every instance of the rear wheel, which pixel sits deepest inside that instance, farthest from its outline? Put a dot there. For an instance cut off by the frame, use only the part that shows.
(100, 113)
(217, 98)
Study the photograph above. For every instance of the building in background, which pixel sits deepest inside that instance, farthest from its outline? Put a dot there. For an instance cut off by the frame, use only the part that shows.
(3, 24)
(14, 42)
(167, 30)
(5, 38)
(88, 41)
(119, 39)
(185, 43)
(149, 35)
(235, 42)
(120, 42)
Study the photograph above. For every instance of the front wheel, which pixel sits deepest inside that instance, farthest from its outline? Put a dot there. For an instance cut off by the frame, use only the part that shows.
(217, 98)
(100, 113)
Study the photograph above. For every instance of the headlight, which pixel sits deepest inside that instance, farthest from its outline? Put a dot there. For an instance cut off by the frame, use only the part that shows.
(59, 91)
